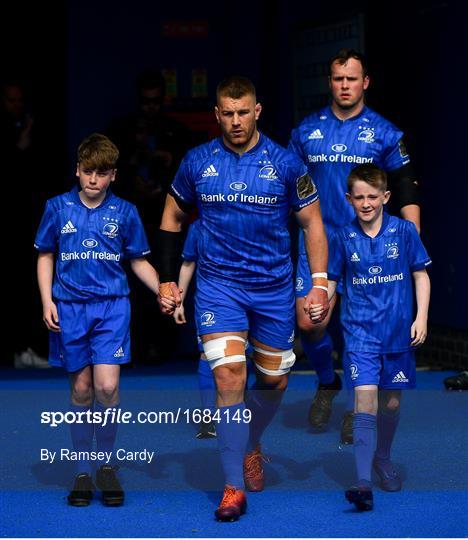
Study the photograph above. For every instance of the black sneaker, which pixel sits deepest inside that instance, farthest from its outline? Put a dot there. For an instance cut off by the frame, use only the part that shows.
(82, 491)
(347, 428)
(321, 406)
(457, 382)
(206, 430)
(361, 497)
(108, 483)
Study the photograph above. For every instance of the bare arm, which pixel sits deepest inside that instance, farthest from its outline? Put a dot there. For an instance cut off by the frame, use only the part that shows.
(423, 292)
(331, 289)
(146, 273)
(412, 212)
(185, 277)
(45, 276)
(315, 240)
(173, 217)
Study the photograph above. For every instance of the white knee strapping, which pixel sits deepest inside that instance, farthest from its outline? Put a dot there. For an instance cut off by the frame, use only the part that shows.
(224, 350)
(274, 362)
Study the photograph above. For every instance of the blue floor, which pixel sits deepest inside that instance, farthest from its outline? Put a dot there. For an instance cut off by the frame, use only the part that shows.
(176, 494)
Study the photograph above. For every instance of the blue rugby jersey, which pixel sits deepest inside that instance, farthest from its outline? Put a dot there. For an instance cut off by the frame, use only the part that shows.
(89, 245)
(377, 303)
(190, 251)
(244, 203)
(331, 148)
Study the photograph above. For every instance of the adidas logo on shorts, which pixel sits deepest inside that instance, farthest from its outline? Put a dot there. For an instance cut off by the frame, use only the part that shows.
(316, 134)
(68, 228)
(400, 377)
(211, 171)
(119, 353)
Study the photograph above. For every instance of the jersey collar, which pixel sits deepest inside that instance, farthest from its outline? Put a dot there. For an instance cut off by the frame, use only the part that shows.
(329, 111)
(75, 197)
(260, 144)
(357, 227)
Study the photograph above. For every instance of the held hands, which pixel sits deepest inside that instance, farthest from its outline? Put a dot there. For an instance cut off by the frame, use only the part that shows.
(169, 297)
(418, 332)
(50, 317)
(316, 304)
(315, 313)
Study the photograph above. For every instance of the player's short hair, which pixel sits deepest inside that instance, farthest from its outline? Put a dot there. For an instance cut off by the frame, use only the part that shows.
(343, 55)
(98, 152)
(235, 87)
(370, 174)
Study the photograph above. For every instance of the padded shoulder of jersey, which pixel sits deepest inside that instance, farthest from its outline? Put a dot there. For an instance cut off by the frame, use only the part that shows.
(59, 201)
(398, 225)
(404, 225)
(317, 116)
(203, 151)
(378, 119)
(122, 205)
(280, 155)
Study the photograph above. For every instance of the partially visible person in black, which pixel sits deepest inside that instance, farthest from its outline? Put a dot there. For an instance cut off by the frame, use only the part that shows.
(26, 341)
(457, 382)
(151, 147)
(16, 120)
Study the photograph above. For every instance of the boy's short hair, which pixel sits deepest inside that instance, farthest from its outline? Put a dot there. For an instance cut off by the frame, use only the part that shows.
(98, 152)
(343, 55)
(235, 87)
(369, 173)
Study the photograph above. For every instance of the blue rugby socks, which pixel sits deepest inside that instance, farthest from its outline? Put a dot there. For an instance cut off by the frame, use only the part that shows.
(364, 435)
(232, 442)
(387, 423)
(263, 404)
(206, 385)
(319, 354)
